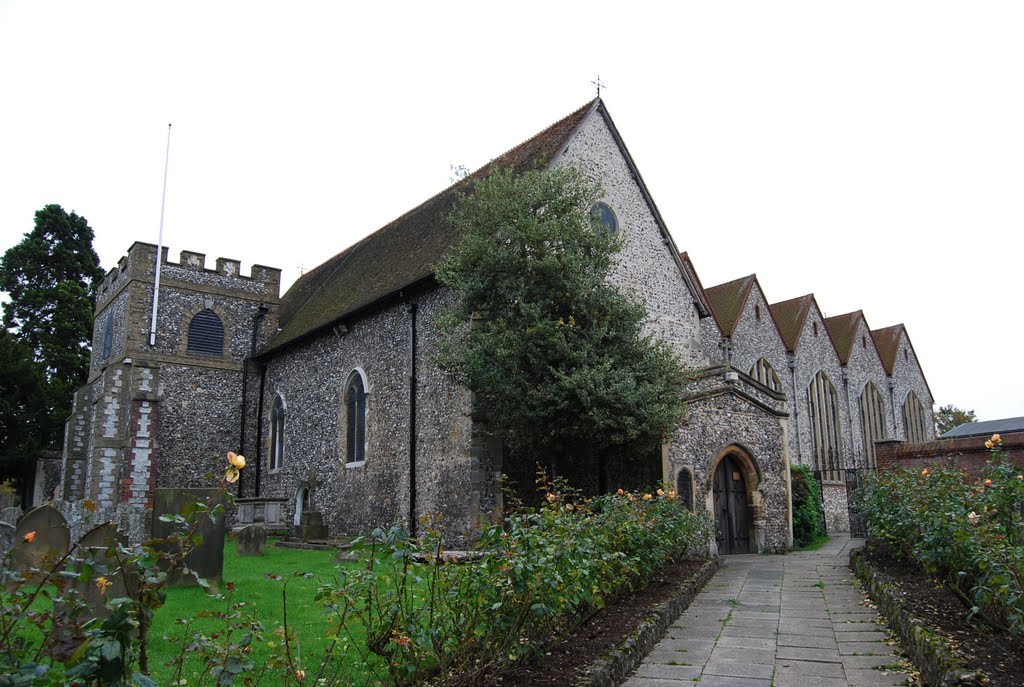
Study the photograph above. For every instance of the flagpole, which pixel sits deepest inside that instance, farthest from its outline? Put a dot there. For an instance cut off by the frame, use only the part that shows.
(160, 245)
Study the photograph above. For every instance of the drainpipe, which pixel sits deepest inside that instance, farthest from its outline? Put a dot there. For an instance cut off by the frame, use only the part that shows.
(259, 429)
(411, 309)
(796, 412)
(256, 318)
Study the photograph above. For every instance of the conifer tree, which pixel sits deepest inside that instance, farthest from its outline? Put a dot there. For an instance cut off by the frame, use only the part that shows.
(51, 278)
(556, 355)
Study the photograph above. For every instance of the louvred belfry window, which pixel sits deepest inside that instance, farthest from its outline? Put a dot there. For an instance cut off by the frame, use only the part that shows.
(206, 334)
(355, 405)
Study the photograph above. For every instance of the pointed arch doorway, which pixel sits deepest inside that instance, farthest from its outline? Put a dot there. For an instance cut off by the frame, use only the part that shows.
(732, 511)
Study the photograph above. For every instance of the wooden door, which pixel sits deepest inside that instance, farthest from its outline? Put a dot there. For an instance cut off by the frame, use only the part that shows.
(730, 491)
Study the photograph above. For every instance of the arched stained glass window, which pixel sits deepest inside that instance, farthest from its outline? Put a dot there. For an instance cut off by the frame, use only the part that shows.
(824, 407)
(277, 433)
(355, 419)
(915, 420)
(765, 373)
(872, 422)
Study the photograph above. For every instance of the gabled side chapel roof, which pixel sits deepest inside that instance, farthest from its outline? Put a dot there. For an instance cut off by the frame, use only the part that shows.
(887, 341)
(404, 252)
(728, 300)
(843, 330)
(790, 317)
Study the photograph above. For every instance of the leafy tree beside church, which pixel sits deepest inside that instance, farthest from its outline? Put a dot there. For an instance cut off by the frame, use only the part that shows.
(556, 354)
(50, 278)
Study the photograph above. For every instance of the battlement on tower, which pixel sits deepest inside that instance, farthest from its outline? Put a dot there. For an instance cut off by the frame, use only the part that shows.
(140, 263)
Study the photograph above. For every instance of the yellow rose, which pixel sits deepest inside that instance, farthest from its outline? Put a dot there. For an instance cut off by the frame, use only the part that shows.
(996, 439)
(988, 443)
(647, 497)
(236, 460)
(231, 474)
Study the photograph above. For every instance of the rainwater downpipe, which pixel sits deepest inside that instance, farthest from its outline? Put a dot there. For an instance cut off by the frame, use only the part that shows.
(411, 309)
(259, 428)
(256, 318)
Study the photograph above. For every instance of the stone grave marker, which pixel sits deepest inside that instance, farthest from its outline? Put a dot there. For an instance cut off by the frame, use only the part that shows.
(49, 538)
(6, 537)
(107, 580)
(10, 515)
(207, 559)
(251, 541)
(312, 526)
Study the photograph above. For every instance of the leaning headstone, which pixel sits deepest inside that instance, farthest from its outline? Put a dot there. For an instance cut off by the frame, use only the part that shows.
(10, 515)
(40, 538)
(251, 541)
(98, 550)
(6, 537)
(206, 559)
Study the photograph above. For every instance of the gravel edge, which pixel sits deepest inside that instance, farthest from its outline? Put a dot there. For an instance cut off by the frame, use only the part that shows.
(616, 666)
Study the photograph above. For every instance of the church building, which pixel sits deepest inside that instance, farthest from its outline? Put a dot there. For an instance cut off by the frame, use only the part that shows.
(332, 393)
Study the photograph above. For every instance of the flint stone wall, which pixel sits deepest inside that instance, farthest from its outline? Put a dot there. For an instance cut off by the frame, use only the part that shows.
(645, 267)
(312, 377)
(721, 416)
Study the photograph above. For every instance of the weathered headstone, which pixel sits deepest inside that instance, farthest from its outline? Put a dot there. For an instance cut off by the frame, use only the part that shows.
(40, 538)
(107, 581)
(10, 515)
(312, 526)
(251, 541)
(206, 559)
(6, 537)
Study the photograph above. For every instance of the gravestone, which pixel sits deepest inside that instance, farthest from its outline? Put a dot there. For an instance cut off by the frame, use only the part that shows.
(312, 526)
(252, 541)
(49, 538)
(10, 515)
(6, 537)
(97, 549)
(206, 559)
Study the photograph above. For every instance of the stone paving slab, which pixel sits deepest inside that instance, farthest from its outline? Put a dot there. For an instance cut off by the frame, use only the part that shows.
(781, 621)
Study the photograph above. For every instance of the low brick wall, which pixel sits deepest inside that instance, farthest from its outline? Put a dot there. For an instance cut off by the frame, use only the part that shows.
(612, 670)
(967, 453)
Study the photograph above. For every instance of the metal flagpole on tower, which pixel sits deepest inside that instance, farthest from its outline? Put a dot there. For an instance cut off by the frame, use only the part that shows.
(160, 245)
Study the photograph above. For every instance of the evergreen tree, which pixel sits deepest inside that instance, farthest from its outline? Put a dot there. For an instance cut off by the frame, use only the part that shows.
(950, 417)
(51, 277)
(555, 355)
(23, 407)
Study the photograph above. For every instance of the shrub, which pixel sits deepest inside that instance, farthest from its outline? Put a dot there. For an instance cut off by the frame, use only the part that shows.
(534, 576)
(970, 532)
(808, 518)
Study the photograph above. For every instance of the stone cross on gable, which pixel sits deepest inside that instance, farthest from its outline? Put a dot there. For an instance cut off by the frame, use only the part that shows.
(598, 84)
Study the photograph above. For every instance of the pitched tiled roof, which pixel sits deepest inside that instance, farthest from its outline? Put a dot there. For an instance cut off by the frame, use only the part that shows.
(887, 341)
(403, 252)
(843, 330)
(727, 301)
(790, 317)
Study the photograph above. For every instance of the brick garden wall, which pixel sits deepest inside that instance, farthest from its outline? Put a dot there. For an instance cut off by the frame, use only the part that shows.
(967, 453)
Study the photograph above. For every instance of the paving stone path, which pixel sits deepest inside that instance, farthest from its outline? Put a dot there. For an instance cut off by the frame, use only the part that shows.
(787, 621)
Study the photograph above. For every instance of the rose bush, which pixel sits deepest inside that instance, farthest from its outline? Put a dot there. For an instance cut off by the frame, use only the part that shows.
(968, 531)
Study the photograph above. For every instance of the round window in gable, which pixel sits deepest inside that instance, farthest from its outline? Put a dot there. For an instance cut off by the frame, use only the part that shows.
(604, 217)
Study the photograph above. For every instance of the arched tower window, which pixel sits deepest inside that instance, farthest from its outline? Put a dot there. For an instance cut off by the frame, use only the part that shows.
(825, 427)
(872, 422)
(355, 419)
(763, 372)
(915, 421)
(206, 334)
(277, 415)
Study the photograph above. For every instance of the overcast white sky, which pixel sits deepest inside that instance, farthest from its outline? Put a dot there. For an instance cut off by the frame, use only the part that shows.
(869, 152)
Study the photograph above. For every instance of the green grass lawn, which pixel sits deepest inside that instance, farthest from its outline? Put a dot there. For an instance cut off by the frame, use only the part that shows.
(249, 576)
